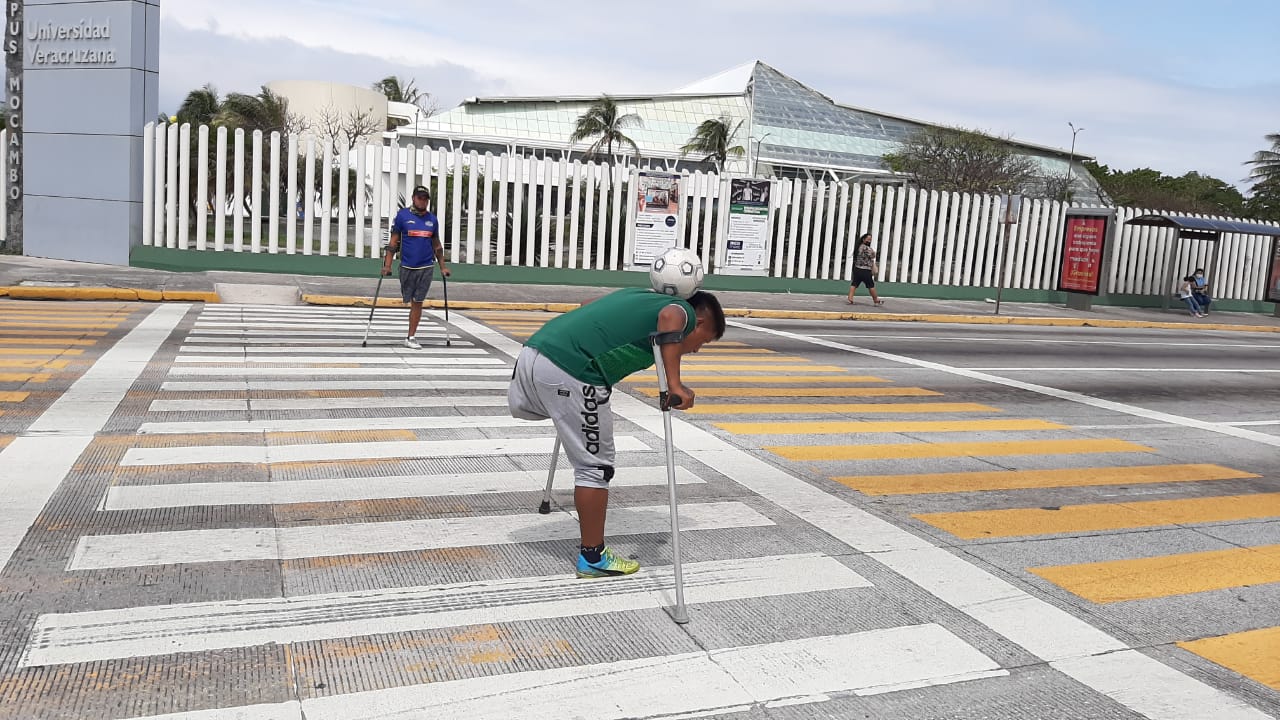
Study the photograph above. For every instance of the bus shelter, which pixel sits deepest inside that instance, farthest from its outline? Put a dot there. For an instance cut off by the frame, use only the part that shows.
(1211, 230)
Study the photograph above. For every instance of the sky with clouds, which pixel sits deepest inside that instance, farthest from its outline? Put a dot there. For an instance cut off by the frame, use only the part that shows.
(1175, 85)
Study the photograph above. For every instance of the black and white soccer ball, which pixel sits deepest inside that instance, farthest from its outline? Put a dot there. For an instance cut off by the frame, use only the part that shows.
(677, 272)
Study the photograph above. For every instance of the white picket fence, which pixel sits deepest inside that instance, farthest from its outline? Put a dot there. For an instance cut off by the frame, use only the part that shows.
(514, 210)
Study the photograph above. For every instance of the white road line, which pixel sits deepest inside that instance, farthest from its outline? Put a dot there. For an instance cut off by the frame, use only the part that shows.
(1215, 369)
(198, 627)
(342, 489)
(403, 359)
(187, 350)
(328, 452)
(305, 385)
(1096, 659)
(37, 462)
(302, 324)
(315, 371)
(1032, 341)
(437, 422)
(697, 684)
(338, 403)
(283, 334)
(97, 552)
(271, 341)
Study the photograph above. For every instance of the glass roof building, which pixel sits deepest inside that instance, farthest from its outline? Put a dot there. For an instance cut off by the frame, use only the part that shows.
(787, 130)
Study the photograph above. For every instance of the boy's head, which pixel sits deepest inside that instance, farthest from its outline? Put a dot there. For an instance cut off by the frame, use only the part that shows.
(710, 322)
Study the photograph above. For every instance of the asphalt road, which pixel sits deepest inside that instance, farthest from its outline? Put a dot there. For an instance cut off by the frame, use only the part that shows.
(237, 512)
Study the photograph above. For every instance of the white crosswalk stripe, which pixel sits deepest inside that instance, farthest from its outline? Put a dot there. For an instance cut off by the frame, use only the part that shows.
(315, 385)
(92, 636)
(336, 403)
(194, 546)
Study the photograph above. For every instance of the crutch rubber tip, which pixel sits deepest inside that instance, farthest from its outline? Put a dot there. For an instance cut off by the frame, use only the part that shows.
(680, 618)
(545, 508)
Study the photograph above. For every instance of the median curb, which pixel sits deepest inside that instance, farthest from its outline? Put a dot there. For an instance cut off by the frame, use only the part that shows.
(352, 301)
(25, 292)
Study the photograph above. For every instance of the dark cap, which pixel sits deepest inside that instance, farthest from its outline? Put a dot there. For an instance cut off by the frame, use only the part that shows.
(422, 190)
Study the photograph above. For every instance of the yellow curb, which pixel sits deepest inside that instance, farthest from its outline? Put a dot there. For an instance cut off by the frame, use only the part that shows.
(22, 292)
(349, 300)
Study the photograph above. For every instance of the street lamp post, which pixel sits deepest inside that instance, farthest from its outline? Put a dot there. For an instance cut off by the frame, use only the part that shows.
(1071, 159)
(756, 160)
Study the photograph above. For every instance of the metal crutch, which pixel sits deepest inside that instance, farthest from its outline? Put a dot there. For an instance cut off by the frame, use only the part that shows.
(377, 291)
(448, 340)
(665, 401)
(545, 507)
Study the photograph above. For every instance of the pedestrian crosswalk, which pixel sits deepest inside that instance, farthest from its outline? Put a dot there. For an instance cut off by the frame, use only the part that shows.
(376, 509)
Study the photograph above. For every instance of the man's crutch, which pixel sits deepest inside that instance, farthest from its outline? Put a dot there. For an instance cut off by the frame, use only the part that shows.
(665, 401)
(448, 341)
(377, 291)
(545, 507)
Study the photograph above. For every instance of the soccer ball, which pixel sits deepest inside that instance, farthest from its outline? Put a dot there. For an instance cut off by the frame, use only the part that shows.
(676, 272)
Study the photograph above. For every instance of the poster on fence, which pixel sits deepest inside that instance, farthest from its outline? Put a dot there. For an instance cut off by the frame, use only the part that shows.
(1273, 277)
(656, 224)
(1084, 243)
(745, 241)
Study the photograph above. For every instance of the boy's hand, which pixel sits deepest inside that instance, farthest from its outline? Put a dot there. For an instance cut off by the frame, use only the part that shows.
(685, 395)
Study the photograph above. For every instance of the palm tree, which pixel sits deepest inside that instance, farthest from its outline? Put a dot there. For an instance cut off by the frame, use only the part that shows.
(200, 107)
(1266, 163)
(265, 111)
(712, 140)
(603, 121)
(397, 90)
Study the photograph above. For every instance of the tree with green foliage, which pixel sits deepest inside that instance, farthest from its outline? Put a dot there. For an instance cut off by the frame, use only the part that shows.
(267, 111)
(960, 160)
(1153, 190)
(200, 106)
(605, 122)
(1266, 163)
(713, 141)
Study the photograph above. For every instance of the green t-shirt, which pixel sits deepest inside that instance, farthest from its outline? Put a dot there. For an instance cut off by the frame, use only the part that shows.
(607, 340)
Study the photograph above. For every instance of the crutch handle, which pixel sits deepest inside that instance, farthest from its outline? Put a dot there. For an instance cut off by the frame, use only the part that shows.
(668, 400)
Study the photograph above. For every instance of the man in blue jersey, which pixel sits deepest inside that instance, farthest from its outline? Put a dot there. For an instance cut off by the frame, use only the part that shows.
(416, 234)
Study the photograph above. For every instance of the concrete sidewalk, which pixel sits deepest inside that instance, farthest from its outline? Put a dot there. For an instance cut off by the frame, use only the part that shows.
(38, 278)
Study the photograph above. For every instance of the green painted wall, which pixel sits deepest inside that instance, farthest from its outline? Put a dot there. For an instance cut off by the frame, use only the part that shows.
(334, 266)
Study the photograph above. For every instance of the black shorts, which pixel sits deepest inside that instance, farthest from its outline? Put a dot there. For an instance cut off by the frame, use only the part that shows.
(863, 276)
(415, 282)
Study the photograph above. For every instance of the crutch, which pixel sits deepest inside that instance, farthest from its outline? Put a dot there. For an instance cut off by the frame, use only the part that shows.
(545, 507)
(377, 291)
(448, 341)
(665, 401)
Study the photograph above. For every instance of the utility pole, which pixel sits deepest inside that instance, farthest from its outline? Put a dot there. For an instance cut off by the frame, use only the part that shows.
(1071, 158)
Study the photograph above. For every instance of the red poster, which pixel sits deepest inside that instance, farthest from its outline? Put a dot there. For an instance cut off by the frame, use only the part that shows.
(1080, 268)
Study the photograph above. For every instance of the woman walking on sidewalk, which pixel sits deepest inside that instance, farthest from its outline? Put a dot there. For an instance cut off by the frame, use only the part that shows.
(865, 268)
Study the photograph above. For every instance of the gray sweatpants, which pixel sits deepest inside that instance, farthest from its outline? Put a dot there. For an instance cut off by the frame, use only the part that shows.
(580, 411)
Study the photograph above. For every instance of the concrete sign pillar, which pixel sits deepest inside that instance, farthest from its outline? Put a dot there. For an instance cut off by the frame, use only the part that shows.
(89, 84)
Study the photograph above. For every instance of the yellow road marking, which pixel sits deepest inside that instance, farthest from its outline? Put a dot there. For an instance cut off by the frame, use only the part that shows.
(1166, 575)
(46, 341)
(717, 347)
(733, 357)
(730, 343)
(854, 426)
(803, 392)
(903, 451)
(35, 364)
(39, 351)
(776, 368)
(1028, 479)
(517, 325)
(823, 408)
(647, 376)
(1254, 654)
(13, 396)
(24, 377)
(44, 335)
(38, 324)
(1104, 516)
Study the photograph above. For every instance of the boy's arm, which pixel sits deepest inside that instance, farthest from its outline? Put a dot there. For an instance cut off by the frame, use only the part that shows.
(672, 318)
(439, 249)
(392, 246)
